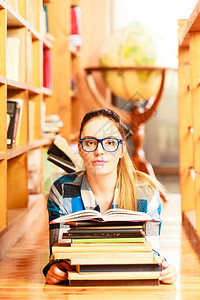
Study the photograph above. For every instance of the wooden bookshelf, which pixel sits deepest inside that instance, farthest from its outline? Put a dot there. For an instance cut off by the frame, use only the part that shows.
(189, 123)
(21, 23)
(64, 101)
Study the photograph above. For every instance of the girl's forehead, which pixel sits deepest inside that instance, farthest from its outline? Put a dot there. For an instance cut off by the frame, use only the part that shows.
(100, 128)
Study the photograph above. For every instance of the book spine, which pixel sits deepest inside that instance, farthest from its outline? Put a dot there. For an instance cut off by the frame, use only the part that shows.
(11, 110)
(119, 268)
(106, 230)
(104, 235)
(109, 240)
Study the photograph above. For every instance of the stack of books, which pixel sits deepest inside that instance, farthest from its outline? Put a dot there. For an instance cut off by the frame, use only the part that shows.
(108, 250)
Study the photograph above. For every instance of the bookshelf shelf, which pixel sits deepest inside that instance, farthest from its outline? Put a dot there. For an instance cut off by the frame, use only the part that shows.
(2, 156)
(11, 84)
(12, 153)
(21, 81)
(2, 80)
(46, 91)
(39, 143)
(33, 89)
(14, 19)
(189, 111)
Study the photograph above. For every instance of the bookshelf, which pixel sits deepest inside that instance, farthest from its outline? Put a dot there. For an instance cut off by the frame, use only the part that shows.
(65, 66)
(189, 123)
(21, 38)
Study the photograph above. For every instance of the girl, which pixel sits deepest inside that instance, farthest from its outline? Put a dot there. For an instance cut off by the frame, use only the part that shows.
(109, 181)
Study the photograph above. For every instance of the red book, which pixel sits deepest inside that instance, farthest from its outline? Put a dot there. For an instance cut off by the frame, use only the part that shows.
(47, 70)
(75, 35)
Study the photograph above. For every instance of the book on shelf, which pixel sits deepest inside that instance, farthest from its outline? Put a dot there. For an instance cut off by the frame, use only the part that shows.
(29, 58)
(47, 69)
(11, 110)
(18, 120)
(13, 4)
(75, 34)
(31, 120)
(7, 121)
(44, 20)
(110, 215)
(12, 58)
(15, 58)
(102, 247)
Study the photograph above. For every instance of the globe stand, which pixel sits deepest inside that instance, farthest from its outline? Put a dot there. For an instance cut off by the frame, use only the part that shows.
(136, 118)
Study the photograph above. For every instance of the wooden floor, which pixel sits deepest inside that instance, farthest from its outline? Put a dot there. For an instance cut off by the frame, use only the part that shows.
(21, 270)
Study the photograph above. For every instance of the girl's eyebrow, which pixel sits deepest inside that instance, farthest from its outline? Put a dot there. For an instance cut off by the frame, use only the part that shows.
(107, 137)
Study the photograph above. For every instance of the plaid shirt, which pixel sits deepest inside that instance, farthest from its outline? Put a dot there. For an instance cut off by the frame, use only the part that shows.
(71, 193)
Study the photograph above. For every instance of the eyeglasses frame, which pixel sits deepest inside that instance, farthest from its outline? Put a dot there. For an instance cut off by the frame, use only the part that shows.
(100, 141)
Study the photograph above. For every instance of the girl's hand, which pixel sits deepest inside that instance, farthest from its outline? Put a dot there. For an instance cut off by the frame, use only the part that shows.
(58, 273)
(168, 274)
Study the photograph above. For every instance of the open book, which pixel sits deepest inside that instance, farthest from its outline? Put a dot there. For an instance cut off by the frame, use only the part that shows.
(115, 214)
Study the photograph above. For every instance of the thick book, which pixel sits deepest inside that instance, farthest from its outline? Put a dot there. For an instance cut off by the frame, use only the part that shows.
(103, 247)
(104, 225)
(109, 240)
(62, 155)
(62, 163)
(116, 282)
(105, 234)
(137, 256)
(124, 260)
(115, 214)
(73, 275)
(121, 268)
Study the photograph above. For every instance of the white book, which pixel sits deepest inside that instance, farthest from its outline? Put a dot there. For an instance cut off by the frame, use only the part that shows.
(115, 214)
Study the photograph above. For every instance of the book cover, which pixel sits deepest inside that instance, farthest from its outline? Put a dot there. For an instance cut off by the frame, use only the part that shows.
(113, 283)
(12, 58)
(137, 256)
(73, 275)
(18, 119)
(47, 70)
(109, 240)
(121, 260)
(15, 58)
(103, 247)
(11, 110)
(106, 233)
(122, 268)
(110, 215)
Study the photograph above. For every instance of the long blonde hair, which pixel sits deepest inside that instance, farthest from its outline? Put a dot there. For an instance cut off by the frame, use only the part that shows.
(128, 176)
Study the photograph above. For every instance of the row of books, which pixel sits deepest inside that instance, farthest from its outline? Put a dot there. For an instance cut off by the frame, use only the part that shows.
(15, 59)
(108, 249)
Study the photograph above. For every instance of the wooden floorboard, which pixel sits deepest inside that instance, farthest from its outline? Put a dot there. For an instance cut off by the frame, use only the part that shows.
(21, 269)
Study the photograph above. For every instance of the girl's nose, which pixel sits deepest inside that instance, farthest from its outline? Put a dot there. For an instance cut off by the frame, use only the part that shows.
(99, 149)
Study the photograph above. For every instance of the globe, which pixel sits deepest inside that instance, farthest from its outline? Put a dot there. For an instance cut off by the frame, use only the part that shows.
(133, 46)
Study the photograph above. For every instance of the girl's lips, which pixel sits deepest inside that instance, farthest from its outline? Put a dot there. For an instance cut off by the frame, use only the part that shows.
(99, 162)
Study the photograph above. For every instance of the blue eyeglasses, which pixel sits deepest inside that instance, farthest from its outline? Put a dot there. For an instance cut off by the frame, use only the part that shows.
(108, 144)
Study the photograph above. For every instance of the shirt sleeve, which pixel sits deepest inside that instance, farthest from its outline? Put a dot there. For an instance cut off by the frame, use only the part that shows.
(55, 209)
(153, 228)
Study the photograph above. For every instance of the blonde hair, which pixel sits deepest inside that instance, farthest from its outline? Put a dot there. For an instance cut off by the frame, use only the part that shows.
(128, 176)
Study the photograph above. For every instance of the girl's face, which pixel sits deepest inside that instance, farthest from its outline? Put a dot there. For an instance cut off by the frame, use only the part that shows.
(101, 162)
